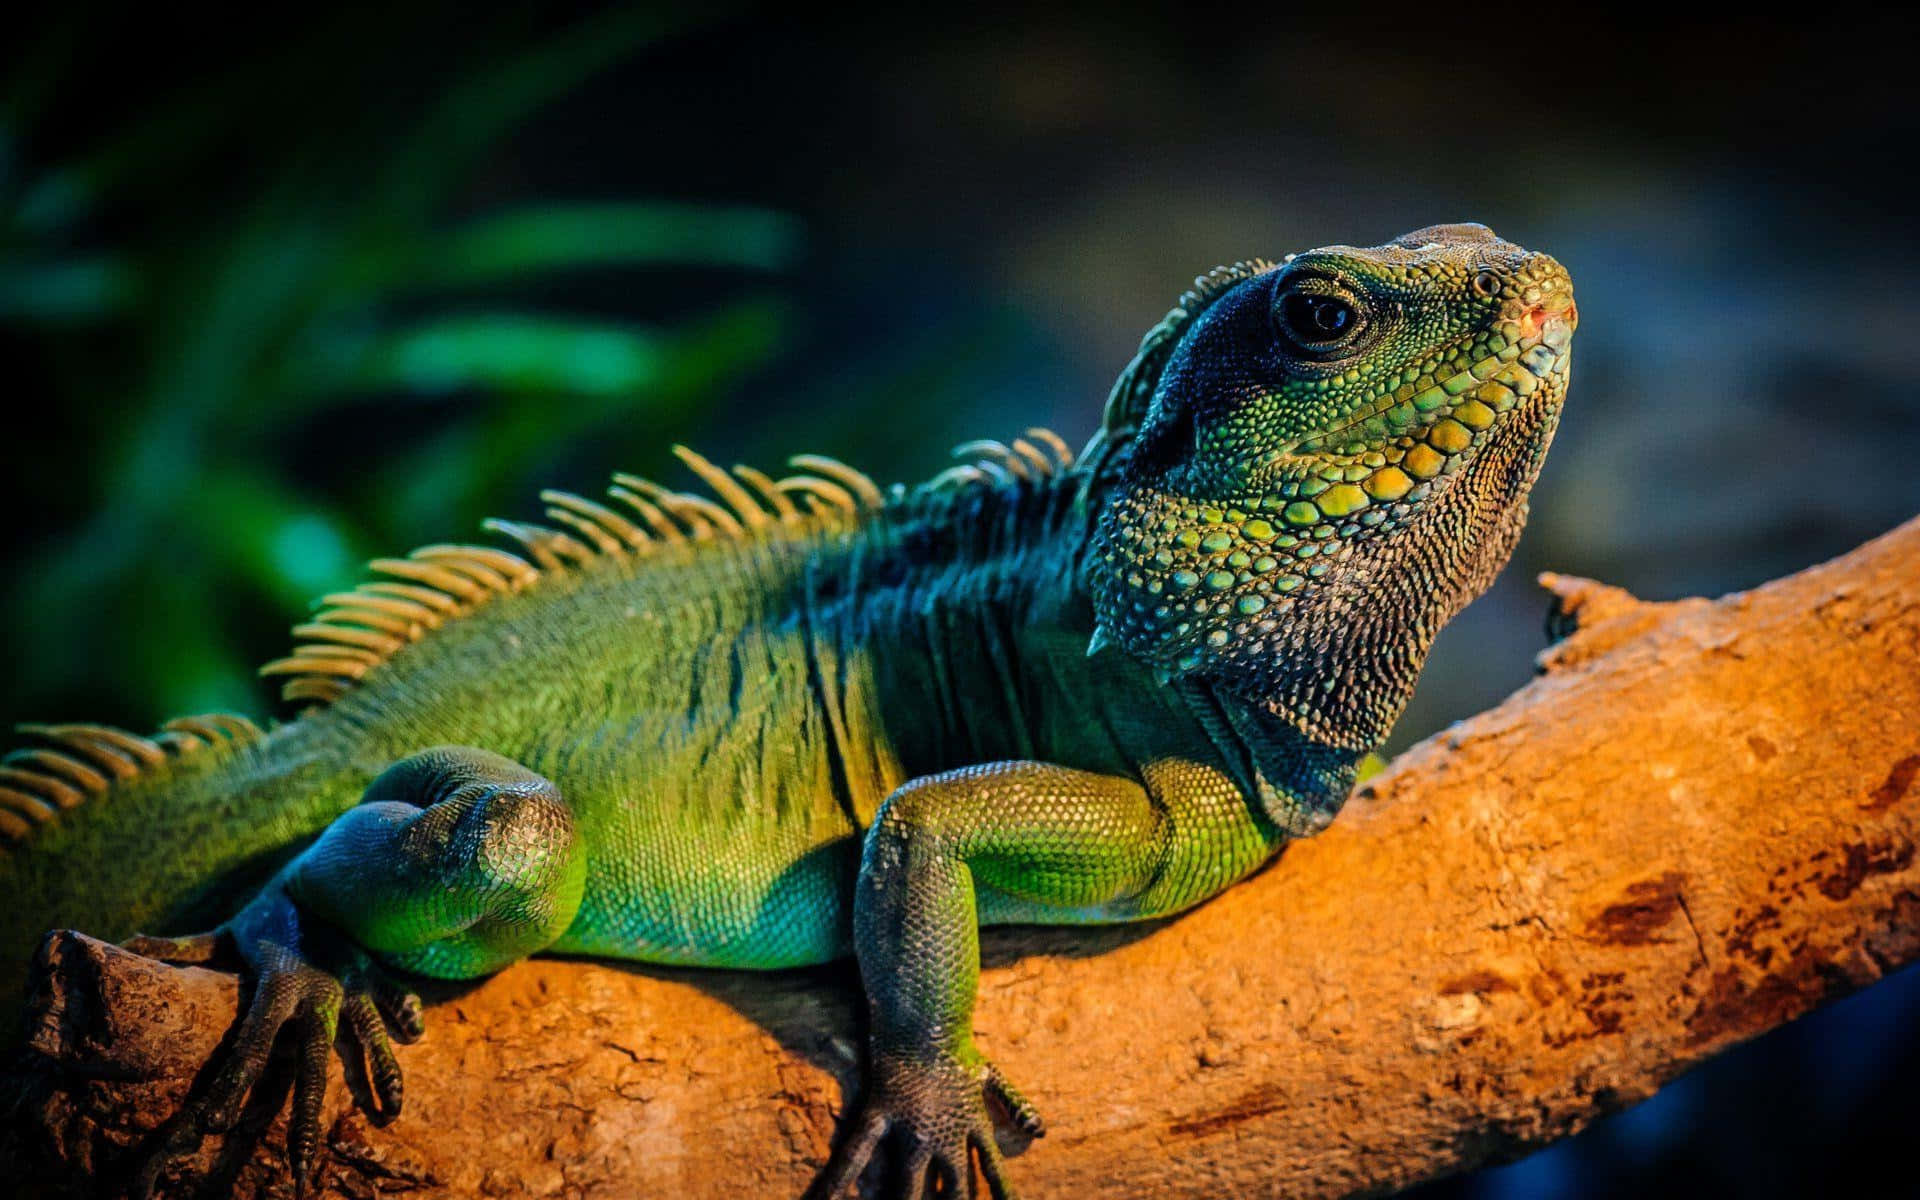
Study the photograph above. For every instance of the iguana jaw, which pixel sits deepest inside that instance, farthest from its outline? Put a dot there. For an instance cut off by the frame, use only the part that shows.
(1311, 580)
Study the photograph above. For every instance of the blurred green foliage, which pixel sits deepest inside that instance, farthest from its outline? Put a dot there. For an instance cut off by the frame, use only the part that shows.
(244, 400)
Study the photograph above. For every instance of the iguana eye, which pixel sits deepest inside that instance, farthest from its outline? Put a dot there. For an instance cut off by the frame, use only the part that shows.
(1316, 321)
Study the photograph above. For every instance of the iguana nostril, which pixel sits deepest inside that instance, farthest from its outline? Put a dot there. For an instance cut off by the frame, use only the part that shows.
(1558, 308)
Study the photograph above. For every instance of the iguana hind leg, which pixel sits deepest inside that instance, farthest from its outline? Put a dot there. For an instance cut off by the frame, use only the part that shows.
(456, 863)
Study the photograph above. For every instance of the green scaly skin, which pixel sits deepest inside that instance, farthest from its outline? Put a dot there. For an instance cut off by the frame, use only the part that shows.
(1099, 694)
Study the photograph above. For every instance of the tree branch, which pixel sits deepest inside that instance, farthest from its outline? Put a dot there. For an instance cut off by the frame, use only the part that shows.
(1697, 824)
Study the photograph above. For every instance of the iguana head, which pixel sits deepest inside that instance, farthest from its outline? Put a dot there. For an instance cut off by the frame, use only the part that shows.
(1333, 458)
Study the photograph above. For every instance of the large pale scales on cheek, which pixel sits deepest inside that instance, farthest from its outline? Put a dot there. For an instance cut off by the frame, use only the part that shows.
(1298, 490)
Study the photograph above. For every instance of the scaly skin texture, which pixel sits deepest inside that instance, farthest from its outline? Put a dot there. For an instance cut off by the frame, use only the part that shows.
(1091, 694)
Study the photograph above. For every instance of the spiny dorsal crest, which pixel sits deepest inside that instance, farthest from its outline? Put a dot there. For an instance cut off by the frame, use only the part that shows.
(74, 763)
(354, 632)
(1133, 390)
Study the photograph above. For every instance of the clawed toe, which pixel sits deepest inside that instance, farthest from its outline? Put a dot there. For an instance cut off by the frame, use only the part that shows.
(401, 1007)
(360, 1019)
(1020, 1111)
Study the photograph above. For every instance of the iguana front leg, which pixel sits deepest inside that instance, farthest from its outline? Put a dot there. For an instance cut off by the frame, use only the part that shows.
(1006, 842)
(456, 863)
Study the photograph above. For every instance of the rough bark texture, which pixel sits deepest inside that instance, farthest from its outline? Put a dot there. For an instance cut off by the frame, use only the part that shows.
(1698, 824)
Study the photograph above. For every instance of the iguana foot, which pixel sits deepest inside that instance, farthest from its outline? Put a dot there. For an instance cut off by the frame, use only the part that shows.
(307, 982)
(939, 1107)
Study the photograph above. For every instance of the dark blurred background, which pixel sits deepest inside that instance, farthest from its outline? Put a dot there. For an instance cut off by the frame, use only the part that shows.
(276, 297)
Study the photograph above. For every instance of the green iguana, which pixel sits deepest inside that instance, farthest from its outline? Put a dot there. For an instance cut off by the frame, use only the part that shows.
(807, 717)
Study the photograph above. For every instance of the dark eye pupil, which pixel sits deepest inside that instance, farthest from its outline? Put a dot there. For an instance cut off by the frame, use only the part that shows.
(1316, 318)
